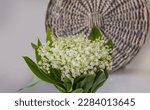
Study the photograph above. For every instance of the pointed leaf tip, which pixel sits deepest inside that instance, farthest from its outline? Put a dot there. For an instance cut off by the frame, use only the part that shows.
(34, 46)
(95, 33)
(35, 69)
(49, 35)
(39, 42)
(110, 43)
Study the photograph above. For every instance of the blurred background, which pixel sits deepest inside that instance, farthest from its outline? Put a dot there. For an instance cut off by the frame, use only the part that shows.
(22, 21)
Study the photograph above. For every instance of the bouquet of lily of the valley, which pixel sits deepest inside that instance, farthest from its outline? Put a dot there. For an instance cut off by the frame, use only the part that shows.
(74, 64)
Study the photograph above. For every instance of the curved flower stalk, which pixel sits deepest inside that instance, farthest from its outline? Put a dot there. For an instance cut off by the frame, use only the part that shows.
(75, 64)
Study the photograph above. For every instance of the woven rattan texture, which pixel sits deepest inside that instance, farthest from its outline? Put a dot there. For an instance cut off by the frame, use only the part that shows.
(124, 21)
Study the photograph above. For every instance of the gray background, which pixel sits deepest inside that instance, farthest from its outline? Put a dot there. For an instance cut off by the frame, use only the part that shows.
(21, 21)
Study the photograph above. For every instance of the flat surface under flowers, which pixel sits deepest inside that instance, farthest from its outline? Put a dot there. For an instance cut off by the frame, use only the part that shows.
(75, 56)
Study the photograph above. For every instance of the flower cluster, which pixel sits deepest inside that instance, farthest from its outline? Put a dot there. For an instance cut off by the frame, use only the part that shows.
(75, 56)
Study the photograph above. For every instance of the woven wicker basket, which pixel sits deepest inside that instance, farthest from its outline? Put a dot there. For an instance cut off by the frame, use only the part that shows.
(124, 21)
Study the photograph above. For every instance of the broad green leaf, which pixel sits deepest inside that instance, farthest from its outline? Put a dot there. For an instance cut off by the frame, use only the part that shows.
(79, 79)
(49, 36)
(87, 83)
(95, 33)
(109, 43)
(79, 90)
(106, 73)
(60, 88)
(56, 78)
(56, 74)
(34, 81)
(38, 72)
(68, 83)
(50, 77)
(98, 86)
(100, 77)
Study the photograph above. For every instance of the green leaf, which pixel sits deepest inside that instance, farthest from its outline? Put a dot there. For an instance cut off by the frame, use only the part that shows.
(109, 43)
(87, 83)
(79, 90)
(49, 36)
(38, 57)
(100, 78)
(98, 86)
(79, 79)
(38, 72)
(60, 88)
(49, 77)
(56, 74)
(68, 83)
(34, 82)
(39, 43)
(95, 34)
(106, 73)
(34, 46)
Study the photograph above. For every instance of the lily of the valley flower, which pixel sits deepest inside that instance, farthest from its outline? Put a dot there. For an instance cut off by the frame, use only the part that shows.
(75, 55)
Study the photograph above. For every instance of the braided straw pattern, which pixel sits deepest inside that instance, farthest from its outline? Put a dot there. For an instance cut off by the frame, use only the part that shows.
(124, 21)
